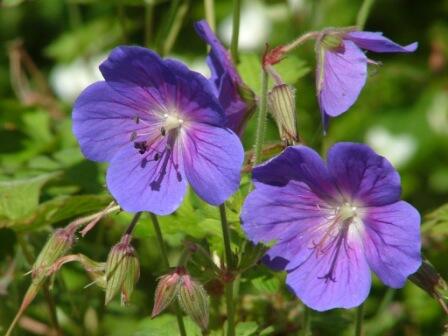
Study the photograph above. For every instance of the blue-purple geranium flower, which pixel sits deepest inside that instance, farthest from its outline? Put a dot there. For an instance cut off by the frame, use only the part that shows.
(227, 83)
(333, 223)
(159, 125)
(342, 66)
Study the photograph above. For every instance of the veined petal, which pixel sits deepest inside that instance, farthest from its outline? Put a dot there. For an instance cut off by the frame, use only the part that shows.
(279, 213)
(140, 72)
(236, 110)
(140, 182)
(375, 41)
(104, 120)
(341, 74)
(195, 97)
(362, 175)
(299, 163)
(213, 157)
(338, 277)
(219, 59)
(392, 242)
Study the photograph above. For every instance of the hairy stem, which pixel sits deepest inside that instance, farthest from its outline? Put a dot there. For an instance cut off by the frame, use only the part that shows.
(209, 8)
(261, 119)
(359, 318)
(133, 223)
(229, 266)
(235, 30)
(156, 225)
(306, 331)
(363, 13)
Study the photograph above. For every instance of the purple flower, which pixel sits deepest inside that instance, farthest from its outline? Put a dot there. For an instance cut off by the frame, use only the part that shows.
(342, 67)
(226, 81)
(333, 223)
(159, 125)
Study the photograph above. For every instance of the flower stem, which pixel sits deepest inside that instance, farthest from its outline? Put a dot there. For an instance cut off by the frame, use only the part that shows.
(364, 13)
(306, 331)
(175, 27)
(49, 300)
(209, 7)
(359, 318)
(156, 225)
(149, 18)
(300, 40)
(133, 223)
(261, 119)
(235, 30)
(229, 265)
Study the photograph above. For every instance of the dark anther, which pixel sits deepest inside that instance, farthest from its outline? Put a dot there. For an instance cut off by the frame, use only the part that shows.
(137, 120)
(179, 177)
(143, 162)
(163, 131)
(141, 146)
(133, 136)
(156, 157)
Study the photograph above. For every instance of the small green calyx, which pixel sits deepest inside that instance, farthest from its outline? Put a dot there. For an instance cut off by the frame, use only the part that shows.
(332, 41)
(122, 270)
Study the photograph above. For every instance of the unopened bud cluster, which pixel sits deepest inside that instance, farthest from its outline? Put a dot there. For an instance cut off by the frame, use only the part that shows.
(122, 270)
(190, 294)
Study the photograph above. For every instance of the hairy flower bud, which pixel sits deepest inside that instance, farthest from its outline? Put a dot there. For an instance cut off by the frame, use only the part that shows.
(428, 279)
(194, 300)
(281, 100)
(166, 291)
(57, 245)
(122, 270)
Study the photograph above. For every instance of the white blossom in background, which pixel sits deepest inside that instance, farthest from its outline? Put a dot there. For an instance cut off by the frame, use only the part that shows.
(68, 80)
(398, 149)
(437, 114)
(255, 27)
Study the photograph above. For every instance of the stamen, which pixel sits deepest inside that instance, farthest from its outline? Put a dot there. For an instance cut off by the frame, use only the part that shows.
(137, 120)
(133, 136)
(163, 131)
(156, 156)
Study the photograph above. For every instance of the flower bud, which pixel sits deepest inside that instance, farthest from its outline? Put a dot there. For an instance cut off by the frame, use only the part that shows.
(194, 300)
(428, 279)
(281, 100)
(166, 291)
(58, 244)
(122, 270)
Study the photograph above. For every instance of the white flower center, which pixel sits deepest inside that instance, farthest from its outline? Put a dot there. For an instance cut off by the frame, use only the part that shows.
(171, 121)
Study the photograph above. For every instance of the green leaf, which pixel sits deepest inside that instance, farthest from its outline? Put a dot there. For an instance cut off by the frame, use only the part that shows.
(290, 70)
(57, 210)
(246, 329)
(72, 44)
(19, 197)
(165, 325)
(266, 285)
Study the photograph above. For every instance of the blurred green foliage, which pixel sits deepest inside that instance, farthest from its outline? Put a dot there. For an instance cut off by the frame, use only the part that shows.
(49, 52)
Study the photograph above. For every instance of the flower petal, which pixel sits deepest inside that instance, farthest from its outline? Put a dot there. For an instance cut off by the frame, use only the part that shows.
(279, 213)
(141, 183)
(392, 242)
(336, 278)
(219, 58)
(341, 75)
(363, 175)
(213, 158)
(139, 72)
(235, 109)
(375, 41)
(299, 163)
(104, 120)
(195, 97)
